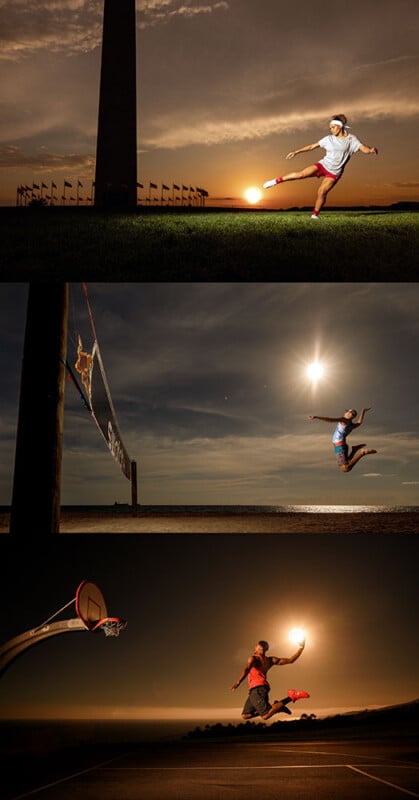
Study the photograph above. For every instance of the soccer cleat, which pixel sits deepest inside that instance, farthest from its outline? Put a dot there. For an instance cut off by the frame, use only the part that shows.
(268, 184)
(295, 694)
(314, 216)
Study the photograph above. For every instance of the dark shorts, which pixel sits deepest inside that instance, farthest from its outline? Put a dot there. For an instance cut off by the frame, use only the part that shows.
(341, 453)
(258, 701)
(322, 172)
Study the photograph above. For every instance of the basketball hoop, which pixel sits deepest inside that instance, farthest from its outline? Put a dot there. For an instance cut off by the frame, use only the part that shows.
(111, 626)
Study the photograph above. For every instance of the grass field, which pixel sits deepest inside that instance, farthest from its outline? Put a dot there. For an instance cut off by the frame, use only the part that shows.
(208, 245)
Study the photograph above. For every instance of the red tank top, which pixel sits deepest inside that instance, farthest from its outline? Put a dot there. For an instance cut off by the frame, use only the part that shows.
(256, 677)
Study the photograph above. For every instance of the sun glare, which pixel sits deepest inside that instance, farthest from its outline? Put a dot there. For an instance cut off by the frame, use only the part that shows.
(296, 635)
(253, 195)
(315, 371)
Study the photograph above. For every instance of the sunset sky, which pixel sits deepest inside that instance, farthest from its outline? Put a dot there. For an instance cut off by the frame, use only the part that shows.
(226, 88)
(210, 389)
(196, 605)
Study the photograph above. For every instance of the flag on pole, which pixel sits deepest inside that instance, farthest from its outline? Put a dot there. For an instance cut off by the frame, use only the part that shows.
(163, 186)
(175, 186)
(44, 186)
(140, 185)
(153, 185)
(70, 185)
(53, 185)
(35, 186)
(79, 184)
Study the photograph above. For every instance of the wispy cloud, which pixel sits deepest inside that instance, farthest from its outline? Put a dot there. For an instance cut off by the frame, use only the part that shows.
(171, 133)
(405, 184)
(75, 26)
(11, 156)
(64, 26)
(154, 12)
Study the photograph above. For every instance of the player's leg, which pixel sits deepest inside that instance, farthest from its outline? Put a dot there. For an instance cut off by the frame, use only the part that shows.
(249, 709)
(259, 703)
(325, 187)
(355, 449)
(308, 172)
(280, 706)
(360, 454)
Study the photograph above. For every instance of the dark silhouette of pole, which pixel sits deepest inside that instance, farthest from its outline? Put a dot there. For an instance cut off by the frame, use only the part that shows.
(37, 475)
(134, 489)
(116, 154)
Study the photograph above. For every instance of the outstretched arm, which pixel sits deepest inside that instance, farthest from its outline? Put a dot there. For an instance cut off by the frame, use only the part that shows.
(305, 149)
(326, 419)
(368, 150)
(361, 417)
(245, 672)
(280, 662)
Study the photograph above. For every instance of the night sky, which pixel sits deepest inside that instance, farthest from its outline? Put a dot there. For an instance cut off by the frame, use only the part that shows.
(226, 88)
(210, 389)
(196, 605)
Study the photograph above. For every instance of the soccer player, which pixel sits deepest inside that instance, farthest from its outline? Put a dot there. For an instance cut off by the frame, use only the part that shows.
(340, 146)
(257, 703)
(344, 427)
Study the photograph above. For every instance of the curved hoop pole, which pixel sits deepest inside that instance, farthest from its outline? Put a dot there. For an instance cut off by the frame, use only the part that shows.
(14, 647)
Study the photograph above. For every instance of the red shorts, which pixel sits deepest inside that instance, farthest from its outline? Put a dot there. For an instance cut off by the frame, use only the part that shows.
(323, 173)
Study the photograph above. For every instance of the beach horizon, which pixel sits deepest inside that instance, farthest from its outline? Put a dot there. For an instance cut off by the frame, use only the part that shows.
(235, 519)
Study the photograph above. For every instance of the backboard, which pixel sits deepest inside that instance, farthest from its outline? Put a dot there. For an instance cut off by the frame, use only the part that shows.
(90, 604)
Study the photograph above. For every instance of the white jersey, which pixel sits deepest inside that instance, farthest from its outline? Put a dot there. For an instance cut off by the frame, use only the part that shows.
(338, 151)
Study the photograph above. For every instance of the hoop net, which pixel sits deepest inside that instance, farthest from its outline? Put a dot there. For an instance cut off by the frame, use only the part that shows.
(111, 627)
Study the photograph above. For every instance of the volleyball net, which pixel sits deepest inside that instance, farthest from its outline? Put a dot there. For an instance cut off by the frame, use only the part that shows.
(89, 376)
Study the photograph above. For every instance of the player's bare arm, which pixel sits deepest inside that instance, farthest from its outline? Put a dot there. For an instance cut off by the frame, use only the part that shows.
(361, 416)
(327, 419)
(281, 662)
(244, 674)
(369, 151)
(305, 149)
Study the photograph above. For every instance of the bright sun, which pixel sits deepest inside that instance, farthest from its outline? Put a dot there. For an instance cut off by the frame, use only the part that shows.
(296, 636)
(315, 371)
(253, 195)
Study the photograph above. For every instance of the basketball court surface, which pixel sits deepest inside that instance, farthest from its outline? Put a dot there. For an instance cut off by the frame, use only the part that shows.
(211, 770)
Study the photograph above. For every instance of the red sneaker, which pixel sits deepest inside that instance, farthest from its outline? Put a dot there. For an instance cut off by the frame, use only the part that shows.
(295, 694)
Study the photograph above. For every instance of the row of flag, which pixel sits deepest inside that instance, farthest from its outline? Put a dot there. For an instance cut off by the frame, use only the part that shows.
(28, 194)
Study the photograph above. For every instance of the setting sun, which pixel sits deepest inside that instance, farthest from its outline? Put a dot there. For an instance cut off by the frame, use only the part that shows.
(253, 195)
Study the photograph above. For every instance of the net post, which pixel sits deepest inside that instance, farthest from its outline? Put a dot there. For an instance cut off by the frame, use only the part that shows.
(134, 489)
(37, 472)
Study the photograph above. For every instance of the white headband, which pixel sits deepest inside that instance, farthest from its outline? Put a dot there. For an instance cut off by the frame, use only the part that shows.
(338, 122)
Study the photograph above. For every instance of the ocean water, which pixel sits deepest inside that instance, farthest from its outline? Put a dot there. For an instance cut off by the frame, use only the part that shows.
(122, 508)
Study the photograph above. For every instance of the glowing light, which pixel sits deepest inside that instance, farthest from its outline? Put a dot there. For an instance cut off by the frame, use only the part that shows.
(315, 371)
(297, 636)
(253, 195)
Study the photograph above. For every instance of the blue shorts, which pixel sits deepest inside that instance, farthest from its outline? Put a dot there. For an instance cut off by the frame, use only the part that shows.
(341, 453)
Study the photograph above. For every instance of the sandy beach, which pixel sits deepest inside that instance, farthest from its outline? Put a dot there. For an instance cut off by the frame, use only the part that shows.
(197, 522)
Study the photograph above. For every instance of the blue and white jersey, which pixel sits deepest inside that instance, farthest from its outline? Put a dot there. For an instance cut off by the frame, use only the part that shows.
(342, 430)
(338, 151)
